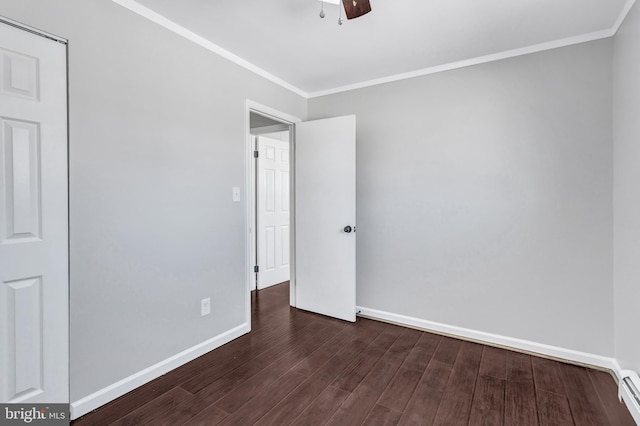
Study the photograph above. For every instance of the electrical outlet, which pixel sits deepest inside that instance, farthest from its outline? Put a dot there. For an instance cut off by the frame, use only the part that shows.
(205, 306)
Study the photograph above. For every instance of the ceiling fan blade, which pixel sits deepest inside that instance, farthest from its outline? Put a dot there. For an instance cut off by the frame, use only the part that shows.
(356, 8)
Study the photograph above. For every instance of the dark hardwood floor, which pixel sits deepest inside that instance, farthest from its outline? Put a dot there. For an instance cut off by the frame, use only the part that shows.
(304, 369)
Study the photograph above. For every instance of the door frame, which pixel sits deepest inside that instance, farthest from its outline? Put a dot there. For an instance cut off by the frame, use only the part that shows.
(250, 197)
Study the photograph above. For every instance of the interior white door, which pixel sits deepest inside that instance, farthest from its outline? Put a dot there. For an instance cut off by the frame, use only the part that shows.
(273, 211)
(325, 215)
(33, 219)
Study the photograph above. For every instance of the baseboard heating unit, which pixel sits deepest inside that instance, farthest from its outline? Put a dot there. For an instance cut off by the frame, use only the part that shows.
(629, 392)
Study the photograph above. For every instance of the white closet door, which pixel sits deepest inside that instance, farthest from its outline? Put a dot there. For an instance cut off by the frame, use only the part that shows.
(34, 335)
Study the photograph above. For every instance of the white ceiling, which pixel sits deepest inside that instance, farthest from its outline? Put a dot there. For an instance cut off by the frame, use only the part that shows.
(287, 39)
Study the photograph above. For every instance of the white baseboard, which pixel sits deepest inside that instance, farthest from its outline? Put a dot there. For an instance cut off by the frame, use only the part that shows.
(91, 402)
(571, 355)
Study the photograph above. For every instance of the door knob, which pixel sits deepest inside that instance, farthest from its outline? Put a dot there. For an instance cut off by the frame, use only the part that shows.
(347, 229)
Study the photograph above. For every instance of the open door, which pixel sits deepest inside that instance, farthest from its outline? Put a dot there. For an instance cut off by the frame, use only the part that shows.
(325, 201)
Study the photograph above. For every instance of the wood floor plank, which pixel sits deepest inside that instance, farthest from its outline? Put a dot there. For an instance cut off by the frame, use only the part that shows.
(174, 407)
(320, 356)
(355, 408)
(361, 365)
(397, 394)
(422, 352)
(382, 416)
(322, 407)
(236, 389)
(234, 377)
(520, 397)
(239, 393)
(458, 395)
(315, 384)
(447, 350)
(519, 367)
(405, 343)
(255, 408)
(386, 368)
(274, 298)
(607, 389)
(424, 403)
(210, 416)
(547, 377)
(487, 407)
(583, 399)
(271, 343)
(309, 389)
(520, 403)
(494, 363)
(553, 409)
(362, 400)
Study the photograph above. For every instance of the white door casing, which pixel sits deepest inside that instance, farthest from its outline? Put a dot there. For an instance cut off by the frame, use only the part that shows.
(273, 211)
(325, 200)
(33, 219)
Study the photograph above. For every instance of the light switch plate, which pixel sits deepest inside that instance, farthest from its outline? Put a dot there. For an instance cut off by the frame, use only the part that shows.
(205, 306)
(236, 194)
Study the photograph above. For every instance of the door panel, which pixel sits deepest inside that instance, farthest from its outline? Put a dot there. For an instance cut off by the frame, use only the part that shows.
(21, 144)
(33, 219)
(325, 153)
(273, 211)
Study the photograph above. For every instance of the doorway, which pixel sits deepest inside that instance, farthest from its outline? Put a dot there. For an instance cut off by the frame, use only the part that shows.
(270, 204)
(272, 210)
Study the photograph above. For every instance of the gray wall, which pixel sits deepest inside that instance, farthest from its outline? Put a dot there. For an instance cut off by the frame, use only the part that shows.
(156, 144)
(484, 196)
(626, 190)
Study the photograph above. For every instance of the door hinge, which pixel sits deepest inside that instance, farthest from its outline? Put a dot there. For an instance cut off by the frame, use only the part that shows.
(256, 269)
(255, 154)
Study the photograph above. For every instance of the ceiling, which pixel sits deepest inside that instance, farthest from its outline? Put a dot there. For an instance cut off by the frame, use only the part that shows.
(287, 38)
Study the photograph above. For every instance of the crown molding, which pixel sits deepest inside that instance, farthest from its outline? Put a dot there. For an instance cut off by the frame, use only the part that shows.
(623, 15)
(470, 62)
(203, 42)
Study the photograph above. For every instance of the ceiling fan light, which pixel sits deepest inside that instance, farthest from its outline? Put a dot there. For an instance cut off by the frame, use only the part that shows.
(356, 8)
